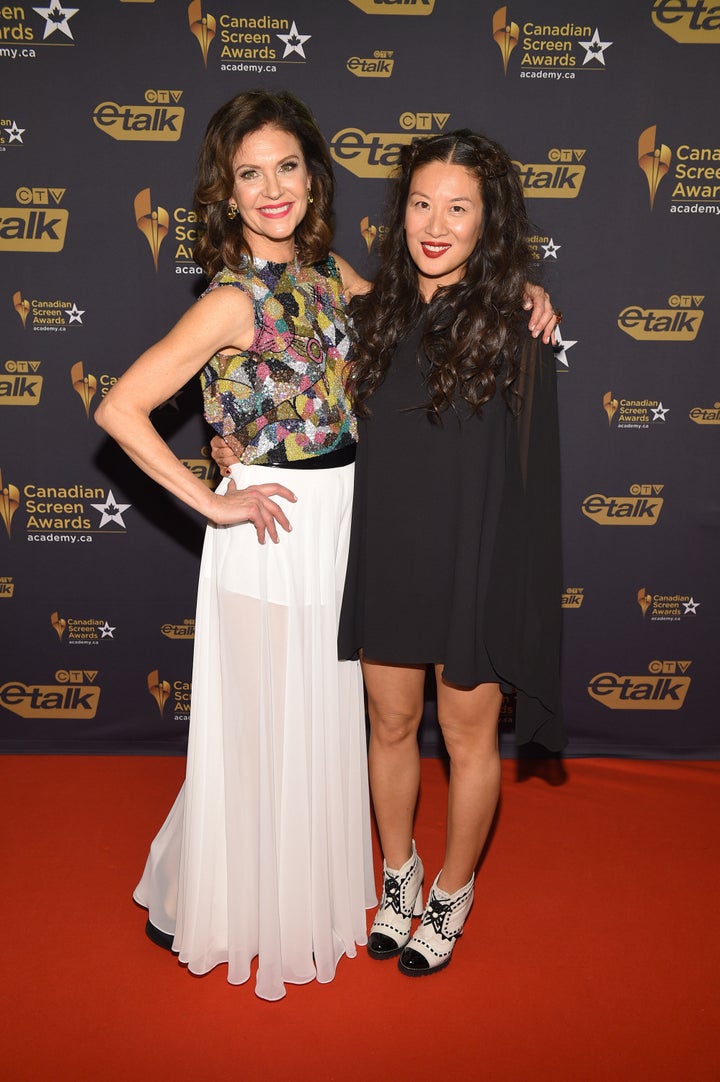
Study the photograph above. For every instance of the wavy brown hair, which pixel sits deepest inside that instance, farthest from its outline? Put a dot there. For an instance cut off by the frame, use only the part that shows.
(221, 241)
(472, 327)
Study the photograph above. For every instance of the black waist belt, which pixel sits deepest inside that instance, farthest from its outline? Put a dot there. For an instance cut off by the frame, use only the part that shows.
(330, 460)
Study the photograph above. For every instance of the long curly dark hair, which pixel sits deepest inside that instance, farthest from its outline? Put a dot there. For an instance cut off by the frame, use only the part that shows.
(221, 241)
(472, 327)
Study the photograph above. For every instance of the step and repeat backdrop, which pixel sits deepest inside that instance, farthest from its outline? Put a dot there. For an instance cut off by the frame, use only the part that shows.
(608, 109)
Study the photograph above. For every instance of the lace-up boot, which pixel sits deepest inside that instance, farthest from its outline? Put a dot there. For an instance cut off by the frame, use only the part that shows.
(431, 947)
(401, 901)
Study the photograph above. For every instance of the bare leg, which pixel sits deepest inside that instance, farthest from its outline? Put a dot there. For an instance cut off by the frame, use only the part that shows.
(395, 704)
(468, 719)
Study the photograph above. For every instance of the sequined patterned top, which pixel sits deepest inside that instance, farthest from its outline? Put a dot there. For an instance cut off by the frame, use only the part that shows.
(284, 398)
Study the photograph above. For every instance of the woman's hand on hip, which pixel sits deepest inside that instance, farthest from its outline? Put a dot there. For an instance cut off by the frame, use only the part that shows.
(253, 504)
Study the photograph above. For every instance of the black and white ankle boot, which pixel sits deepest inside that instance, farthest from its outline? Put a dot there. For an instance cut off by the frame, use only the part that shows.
(431, 947)
(401, 901)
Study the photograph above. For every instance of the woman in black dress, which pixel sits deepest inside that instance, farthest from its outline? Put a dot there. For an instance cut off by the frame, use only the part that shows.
(454, 553)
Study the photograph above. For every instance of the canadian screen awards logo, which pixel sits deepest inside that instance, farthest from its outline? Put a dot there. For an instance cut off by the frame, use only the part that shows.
(549, 50)
(634, 413)
(163, 690)
(156, 223)
(48, 314)
(62, 513)
(665, 607)
(693, 170)
(81, 630)
(252, 40)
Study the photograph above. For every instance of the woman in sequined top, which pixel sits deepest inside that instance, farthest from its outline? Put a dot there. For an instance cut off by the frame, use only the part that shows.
(266, 852)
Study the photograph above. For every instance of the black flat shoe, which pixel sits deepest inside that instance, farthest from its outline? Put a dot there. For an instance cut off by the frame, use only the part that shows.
(160, 939)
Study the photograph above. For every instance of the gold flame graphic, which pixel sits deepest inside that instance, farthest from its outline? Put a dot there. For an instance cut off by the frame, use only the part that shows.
(654, 161)
(85, 386)
(506, 35)
(59, 623)
(644, 600)
(21, 306)
(9, 502)
(159, 689)
(368, 232)
(202, 27)
(153, 223)
(610, 405)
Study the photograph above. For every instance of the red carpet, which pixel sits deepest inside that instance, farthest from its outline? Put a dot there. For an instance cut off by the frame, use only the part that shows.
(592, 951)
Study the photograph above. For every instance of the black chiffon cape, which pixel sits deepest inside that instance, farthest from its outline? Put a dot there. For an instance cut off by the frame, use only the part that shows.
(455, 543)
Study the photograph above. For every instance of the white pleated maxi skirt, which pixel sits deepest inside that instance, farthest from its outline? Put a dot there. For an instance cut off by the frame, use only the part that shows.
(266, 852)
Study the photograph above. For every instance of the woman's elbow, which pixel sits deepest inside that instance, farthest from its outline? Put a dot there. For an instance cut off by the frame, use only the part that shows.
(100, 415)
(107, 416)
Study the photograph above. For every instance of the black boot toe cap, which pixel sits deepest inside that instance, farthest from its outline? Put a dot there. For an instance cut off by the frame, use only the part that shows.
(382, 946)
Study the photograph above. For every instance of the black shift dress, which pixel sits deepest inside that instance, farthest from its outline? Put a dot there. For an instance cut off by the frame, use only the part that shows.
(454, 551)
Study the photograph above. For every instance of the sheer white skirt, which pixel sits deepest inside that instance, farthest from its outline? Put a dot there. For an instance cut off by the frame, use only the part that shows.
(266, 852)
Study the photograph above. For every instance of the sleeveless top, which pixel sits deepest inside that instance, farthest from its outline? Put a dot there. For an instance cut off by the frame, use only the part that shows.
(284, 398)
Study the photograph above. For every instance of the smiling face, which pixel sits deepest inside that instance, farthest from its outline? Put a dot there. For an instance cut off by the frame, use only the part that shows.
(270, 191)
(443, 223)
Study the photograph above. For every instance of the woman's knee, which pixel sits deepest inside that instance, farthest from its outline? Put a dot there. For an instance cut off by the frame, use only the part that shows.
(392, 725)
(395, 701)
(469, 737)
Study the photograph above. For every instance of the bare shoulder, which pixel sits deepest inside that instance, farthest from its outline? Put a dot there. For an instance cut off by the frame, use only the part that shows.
(353, 283)
(229, 311)
(221, 317)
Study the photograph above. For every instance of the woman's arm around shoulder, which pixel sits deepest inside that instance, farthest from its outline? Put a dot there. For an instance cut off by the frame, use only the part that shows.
(353, 284)
(543, 317)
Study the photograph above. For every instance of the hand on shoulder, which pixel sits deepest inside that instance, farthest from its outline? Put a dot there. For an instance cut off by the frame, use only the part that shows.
(543, 317)
(353, 284)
